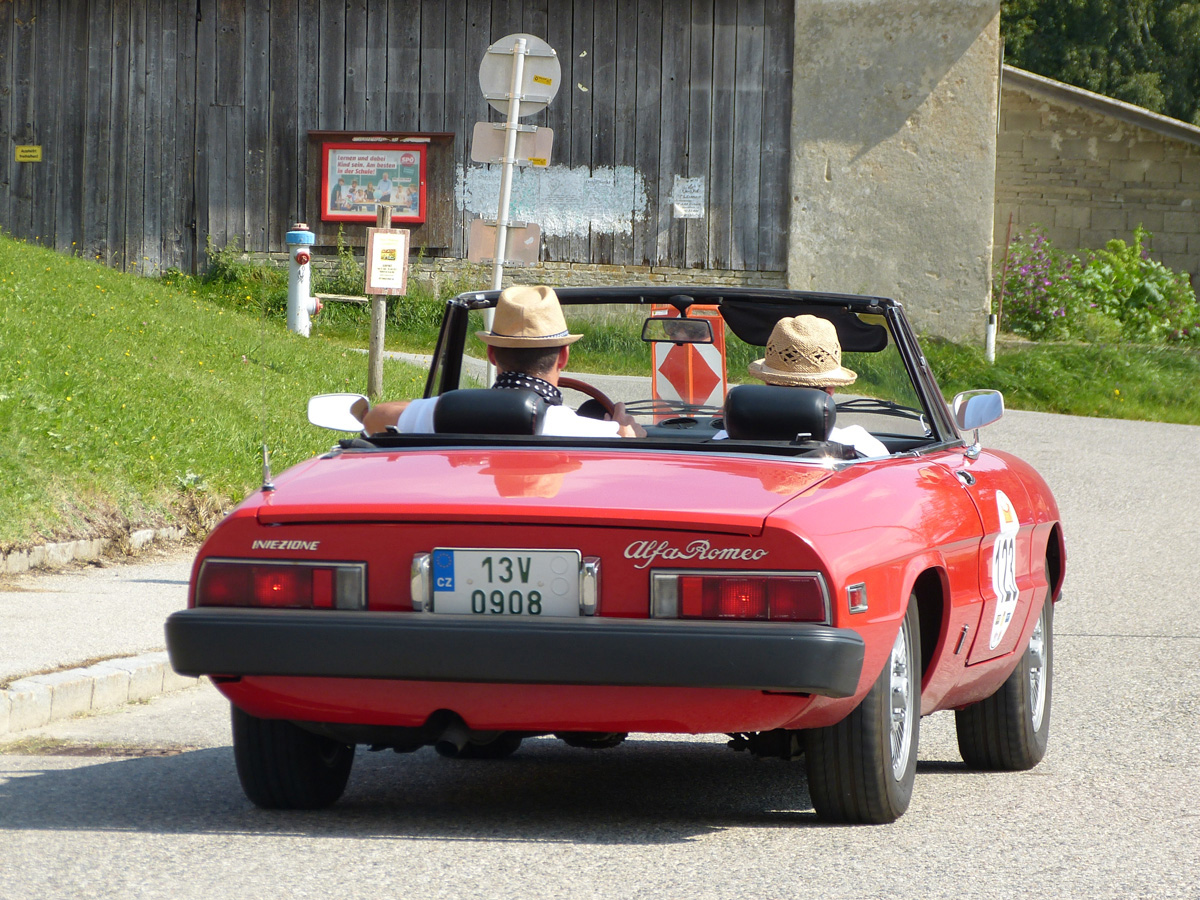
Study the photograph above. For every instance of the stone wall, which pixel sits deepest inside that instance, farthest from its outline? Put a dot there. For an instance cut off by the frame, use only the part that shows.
(893, 154)
(1088, 169)
(443, 268)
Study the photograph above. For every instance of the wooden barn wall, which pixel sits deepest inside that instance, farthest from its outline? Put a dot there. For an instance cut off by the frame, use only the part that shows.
(166, 124)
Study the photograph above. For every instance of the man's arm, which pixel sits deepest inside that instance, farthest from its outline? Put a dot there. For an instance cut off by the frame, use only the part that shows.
(628, 427)
(377, 418)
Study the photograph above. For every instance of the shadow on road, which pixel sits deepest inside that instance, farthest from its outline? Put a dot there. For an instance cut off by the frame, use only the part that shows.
(644, 792)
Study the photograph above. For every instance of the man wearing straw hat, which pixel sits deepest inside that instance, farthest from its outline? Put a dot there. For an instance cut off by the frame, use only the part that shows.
(529, 345)
(804, 351)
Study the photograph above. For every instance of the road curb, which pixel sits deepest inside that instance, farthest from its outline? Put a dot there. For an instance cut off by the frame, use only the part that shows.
(52, 555)
(41, 699)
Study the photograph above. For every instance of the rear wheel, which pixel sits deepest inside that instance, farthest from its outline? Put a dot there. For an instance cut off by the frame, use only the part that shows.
(862, 769)
(282, 766)
(1008, 731)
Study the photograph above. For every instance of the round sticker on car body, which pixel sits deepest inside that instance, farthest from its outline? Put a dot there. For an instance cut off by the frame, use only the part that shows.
(1004, 568)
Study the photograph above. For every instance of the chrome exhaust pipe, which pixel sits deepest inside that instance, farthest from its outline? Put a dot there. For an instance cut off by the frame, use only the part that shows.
(452, 739)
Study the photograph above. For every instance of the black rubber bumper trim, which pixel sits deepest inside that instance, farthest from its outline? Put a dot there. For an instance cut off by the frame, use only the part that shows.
(773, 656)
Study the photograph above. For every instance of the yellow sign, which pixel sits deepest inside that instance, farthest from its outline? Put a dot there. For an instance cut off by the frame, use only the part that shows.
(538, 160)
(28, 153)
(542, 79)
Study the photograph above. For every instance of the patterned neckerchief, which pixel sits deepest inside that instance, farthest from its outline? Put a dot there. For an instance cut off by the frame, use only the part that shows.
(521, 381)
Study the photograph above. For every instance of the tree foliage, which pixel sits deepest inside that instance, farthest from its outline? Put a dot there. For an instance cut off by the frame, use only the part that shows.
(1145, 52)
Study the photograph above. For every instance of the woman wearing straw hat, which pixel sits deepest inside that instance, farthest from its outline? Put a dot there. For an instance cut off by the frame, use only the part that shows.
(529, 345)
(804, 351)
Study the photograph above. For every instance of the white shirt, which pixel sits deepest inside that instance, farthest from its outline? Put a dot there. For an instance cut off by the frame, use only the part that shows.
(560, 421)
(852, 435)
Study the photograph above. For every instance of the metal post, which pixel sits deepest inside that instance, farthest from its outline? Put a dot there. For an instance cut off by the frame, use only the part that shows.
(383, 219)
(506, 176)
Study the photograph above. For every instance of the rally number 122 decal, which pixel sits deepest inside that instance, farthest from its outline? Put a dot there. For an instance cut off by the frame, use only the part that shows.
(1004, 568)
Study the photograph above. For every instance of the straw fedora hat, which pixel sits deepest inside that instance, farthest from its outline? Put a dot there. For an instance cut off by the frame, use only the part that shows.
(528, 316)
(803, 351)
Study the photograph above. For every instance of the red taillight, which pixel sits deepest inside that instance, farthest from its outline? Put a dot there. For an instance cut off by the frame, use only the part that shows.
(299, 586)
(785, 598)
(282, 586)
(717, 597)
(797, 600)
(222, 584)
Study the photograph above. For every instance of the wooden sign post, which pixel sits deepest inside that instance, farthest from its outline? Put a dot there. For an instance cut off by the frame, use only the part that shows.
(387, 275)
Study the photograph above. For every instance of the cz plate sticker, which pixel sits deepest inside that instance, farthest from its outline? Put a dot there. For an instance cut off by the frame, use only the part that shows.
(443, 570)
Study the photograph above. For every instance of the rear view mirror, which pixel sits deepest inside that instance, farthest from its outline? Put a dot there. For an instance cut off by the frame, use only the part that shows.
(974, 409)
(660, 329)
(332, 411)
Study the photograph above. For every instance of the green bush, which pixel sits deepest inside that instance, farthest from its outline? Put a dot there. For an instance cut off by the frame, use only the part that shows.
(1118, 293)
(235, 280)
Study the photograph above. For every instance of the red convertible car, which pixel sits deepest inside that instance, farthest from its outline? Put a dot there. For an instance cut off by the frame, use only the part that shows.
(739, 569)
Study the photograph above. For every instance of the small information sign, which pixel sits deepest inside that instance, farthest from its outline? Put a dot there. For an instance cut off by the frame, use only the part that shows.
(28, 153)
(687, 198)
(387, 261)
(533, 146)
(523, 243)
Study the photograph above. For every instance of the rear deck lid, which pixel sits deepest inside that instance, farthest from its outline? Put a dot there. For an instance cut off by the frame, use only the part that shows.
(717, 492)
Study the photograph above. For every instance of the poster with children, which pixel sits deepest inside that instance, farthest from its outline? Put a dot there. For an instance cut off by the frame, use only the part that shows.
(356, 178)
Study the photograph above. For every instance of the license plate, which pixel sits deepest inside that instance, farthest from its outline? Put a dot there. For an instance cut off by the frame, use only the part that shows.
(506, 582)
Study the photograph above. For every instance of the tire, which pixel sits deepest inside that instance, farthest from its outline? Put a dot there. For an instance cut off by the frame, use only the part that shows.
(1008, 731)
(862, 769)
(282, 766)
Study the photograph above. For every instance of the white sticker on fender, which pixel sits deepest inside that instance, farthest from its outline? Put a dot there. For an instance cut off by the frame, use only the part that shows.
(1004, 568)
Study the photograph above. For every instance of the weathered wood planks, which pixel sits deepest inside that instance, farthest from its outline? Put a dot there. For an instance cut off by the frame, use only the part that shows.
(171, 125)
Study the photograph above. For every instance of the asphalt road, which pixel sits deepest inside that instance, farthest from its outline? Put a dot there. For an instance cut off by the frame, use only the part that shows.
(1112, 812)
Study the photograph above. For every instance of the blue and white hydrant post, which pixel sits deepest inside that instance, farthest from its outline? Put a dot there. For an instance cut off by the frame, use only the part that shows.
(301, 304)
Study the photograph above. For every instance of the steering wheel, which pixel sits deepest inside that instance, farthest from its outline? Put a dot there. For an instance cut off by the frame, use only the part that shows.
(574, 384)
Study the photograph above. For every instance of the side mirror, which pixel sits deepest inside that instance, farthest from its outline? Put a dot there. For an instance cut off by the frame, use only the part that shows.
(974, 409)
(332, 411)
(664, 330)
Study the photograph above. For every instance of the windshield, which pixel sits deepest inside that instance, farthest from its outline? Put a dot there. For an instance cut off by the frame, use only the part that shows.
(674, 377)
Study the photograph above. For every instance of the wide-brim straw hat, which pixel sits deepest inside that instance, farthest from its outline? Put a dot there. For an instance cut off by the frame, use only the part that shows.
(528, 316)
(803, 351)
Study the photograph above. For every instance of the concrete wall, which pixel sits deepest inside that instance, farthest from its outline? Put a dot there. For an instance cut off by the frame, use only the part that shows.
(1088, 169)
(893, 154)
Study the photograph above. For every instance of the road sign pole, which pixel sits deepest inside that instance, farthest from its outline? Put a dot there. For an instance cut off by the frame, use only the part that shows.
(514, 59)
(509, 161)
(506, 174)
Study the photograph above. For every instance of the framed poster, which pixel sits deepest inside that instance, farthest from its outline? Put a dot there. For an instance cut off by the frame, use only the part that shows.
(357, 177)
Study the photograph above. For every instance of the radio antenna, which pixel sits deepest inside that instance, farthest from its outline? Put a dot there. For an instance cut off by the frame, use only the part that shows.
(267, 484)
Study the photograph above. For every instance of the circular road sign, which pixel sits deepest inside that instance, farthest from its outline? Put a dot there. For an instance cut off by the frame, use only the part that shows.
(540, 76)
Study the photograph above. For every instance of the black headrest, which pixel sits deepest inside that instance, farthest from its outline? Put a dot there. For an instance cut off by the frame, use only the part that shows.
(489, 411)
(768, 412)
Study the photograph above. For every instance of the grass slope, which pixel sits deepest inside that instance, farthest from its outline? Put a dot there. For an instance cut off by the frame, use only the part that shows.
(129, 402)
(1148, 383)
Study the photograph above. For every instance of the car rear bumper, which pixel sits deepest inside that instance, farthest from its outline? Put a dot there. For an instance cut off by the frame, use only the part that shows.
(769, 656)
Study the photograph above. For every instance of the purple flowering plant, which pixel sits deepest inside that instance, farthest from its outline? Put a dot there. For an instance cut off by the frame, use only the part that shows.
(1031, 299)
(1117, 293)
